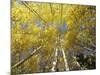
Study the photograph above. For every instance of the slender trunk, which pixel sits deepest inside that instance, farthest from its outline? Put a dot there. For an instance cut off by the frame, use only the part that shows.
(55, 60)
(65, 60)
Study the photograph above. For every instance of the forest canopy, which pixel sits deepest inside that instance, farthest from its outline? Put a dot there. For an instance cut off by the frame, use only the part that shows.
(50, 37)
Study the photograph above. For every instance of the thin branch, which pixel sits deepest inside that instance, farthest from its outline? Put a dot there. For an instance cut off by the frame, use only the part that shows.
(61, 13)
(89, 49)
(22, 61)
(51, 8)
(75, 59)
(33, 11)
(51, 56)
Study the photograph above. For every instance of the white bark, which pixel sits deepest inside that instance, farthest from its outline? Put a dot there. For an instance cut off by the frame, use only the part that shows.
(65, 60)
(55, 60)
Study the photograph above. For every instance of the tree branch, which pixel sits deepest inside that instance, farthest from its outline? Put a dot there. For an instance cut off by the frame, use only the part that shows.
(33, 11)
(52, 11)
(22, 61)
(89, 49)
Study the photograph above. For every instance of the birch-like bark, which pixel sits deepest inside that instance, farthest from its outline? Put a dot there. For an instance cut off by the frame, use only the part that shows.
(65, 60)
(55, 60)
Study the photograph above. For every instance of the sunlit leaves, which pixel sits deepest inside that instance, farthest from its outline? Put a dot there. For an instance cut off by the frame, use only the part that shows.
(52, 26)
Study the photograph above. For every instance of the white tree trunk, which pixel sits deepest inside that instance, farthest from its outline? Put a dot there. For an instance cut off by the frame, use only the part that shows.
(55, 60)
(65, 60)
